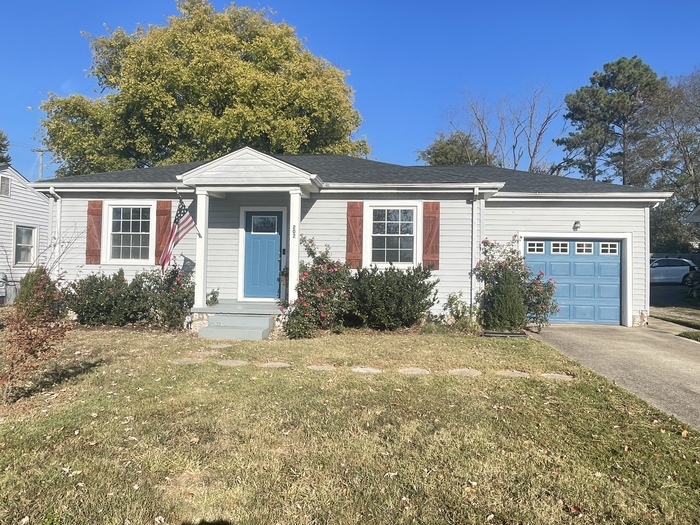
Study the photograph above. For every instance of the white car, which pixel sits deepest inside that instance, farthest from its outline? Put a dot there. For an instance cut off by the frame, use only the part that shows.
(671, 270)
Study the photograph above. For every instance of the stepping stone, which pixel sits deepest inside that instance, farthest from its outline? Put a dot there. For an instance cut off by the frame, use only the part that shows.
(187, 361)
(321, 368)
(366, 370)
(512, 373)
(558, 377)
(204, 354)
(232, 362)
(469, 372)
(413, 371)
(275, 364)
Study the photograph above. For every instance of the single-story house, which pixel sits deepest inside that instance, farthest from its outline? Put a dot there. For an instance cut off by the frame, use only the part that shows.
(252, 208)
(24, 230)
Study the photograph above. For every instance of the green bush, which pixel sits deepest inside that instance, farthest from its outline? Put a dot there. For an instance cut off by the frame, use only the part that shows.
(38, 294)
(391, 298)
(536, 293)
(504, 307)
(151, 298)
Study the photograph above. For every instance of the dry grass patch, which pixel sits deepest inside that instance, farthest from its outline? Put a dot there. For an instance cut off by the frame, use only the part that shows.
(137, 437)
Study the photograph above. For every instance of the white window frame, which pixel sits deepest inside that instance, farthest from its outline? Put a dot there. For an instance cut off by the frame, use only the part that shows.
(535, 247)
(559, 246)
(107, 208)
(584, 248)
(32, 257)
(607, 246)
(367, 212)
(6, 183)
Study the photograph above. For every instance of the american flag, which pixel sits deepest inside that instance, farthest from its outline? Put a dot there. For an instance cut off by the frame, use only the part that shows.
(182, 224)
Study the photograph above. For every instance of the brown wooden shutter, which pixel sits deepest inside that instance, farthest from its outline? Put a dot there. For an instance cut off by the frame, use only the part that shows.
(353, 250)
(431, 235)
(163, 218)
(93, 241)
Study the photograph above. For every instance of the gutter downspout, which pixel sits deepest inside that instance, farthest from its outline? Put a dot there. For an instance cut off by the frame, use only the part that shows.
(59, 213)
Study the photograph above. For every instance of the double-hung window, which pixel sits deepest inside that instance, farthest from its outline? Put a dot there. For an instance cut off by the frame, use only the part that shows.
(25, 245)
(130, 235)
(393, 235)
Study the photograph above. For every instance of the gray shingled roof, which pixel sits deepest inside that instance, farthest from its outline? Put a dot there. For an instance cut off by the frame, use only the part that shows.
(342, 169)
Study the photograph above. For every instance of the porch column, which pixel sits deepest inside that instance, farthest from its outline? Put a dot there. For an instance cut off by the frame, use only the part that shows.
(200, 268)
(293, 259)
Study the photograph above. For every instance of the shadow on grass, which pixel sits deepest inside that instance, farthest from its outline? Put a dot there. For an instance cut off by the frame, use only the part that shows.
(54, 376)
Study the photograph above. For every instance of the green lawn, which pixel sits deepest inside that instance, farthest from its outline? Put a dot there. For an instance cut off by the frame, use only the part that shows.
(126, 435)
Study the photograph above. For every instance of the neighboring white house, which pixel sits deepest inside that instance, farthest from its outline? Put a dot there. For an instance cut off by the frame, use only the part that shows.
(24, 229)
(252, 208)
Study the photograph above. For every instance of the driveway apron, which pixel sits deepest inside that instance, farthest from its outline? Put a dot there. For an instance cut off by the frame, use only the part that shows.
(652, 361)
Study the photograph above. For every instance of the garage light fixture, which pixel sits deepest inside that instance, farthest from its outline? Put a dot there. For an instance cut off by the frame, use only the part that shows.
(577, 225)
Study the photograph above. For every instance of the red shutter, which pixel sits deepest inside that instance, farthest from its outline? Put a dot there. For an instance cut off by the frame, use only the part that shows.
(353, 249)
(93, 241)
(163, 218)
(431, 235)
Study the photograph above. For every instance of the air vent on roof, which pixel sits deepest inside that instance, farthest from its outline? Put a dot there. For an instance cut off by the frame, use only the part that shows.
(4, 186)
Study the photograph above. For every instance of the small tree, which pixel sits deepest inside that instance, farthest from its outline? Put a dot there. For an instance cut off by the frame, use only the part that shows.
(32, 331)
(536, 292)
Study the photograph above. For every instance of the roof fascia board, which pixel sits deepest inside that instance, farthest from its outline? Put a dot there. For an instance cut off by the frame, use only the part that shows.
(652, 197)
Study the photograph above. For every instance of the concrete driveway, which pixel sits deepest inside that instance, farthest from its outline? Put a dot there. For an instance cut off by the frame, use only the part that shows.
(652, 362)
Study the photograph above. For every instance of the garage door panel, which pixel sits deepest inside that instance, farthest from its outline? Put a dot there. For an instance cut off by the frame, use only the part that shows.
(606, 269)
(559, 269)
(584, 269)
(609, 291)
(584, 291)
(587, 278)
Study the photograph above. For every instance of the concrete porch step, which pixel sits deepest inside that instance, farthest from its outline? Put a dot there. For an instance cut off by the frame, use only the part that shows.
(238, 326)
(228, 333)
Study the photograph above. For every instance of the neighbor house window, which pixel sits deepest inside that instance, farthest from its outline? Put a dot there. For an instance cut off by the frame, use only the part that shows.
(393, 233)
(130, 232)
(24, 245)
(4, 186)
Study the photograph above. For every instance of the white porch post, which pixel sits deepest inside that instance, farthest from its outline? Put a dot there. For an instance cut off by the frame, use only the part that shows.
(293, 259)
(200, 269)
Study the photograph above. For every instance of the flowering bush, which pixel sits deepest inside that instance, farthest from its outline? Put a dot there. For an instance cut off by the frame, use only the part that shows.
(501, 259)
(323, 297)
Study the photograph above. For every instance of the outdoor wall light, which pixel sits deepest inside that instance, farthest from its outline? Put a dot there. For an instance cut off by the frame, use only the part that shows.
(577, 225)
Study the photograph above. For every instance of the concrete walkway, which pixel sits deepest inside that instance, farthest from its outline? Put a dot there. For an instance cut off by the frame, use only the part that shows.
(652, 362)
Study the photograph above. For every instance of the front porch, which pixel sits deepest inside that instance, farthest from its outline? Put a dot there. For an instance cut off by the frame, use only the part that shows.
(236, 320)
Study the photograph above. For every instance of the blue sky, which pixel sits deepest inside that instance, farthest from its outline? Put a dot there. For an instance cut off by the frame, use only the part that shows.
(409, 63)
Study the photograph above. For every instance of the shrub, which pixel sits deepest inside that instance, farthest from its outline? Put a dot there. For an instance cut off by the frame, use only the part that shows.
(504, 307)
(151, 298)
(459, 315)
(99, 300)
(323, 299)
(391, 298)
(537, 294)
(32, 331)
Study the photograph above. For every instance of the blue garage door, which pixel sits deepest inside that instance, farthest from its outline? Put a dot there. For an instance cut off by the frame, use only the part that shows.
(587, 276)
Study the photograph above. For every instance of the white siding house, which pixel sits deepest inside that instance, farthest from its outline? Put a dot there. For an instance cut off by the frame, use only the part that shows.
(24, 229)
(252, 209)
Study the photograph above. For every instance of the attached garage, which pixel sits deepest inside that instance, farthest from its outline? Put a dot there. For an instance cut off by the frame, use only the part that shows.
(587, 273)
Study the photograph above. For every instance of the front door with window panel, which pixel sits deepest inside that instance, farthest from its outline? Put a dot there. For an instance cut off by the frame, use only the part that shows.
(587, 275)
(263, 254)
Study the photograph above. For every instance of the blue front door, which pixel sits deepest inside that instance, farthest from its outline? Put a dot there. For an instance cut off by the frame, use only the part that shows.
(263, 255)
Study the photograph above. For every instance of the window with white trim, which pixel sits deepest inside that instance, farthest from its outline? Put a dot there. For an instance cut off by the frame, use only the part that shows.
(609, 248)
(130, 232)
(393, 235)
(560, 248)
(25, 245)
(4, 186)
(584, 248)
(535, 247)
